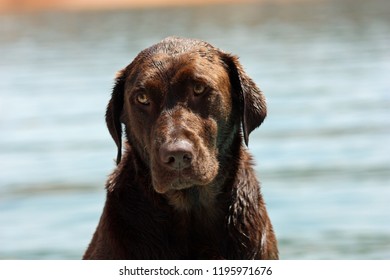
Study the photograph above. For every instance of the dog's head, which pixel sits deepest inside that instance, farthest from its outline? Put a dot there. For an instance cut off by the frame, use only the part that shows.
(182, 103)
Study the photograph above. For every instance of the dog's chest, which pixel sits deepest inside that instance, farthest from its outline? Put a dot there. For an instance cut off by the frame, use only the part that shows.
(197, 235)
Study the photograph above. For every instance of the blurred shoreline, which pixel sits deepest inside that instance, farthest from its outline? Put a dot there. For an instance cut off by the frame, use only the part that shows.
(16, 6)
(48, 5)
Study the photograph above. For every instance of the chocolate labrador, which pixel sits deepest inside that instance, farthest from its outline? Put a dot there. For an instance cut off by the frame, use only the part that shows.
(185, 187)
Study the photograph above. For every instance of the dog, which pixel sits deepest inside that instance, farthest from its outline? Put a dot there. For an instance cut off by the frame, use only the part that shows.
(185, 187)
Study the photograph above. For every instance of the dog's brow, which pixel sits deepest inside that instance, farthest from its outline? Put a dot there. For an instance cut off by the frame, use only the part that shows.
(160, 68)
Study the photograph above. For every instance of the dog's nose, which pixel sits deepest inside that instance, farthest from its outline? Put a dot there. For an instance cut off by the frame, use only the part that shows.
(176, 155)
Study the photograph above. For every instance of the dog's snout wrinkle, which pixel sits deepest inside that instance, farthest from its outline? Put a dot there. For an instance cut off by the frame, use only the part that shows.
(177, 155)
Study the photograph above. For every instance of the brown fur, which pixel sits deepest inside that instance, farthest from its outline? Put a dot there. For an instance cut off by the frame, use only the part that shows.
(185, 187)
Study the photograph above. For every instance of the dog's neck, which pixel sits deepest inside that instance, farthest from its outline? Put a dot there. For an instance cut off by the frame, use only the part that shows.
(194, 199)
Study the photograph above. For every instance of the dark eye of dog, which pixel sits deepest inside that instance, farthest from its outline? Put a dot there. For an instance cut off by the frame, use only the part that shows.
(143, 99)
(199, 88)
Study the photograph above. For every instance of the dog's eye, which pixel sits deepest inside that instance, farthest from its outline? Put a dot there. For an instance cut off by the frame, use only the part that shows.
(199, 89)
(143, 99)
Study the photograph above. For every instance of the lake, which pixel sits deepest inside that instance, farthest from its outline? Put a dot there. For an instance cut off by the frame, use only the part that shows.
(322, 154)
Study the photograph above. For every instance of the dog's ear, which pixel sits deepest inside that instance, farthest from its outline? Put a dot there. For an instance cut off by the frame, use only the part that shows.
(253, 107)
(114, 112)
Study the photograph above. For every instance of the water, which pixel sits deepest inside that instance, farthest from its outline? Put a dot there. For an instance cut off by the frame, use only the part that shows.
(323, 153)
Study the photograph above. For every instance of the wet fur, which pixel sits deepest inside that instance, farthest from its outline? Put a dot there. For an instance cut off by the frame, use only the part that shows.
(213, 210)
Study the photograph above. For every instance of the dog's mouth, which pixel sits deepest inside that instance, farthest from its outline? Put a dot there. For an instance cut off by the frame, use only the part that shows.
(179, 180)
(201, 171)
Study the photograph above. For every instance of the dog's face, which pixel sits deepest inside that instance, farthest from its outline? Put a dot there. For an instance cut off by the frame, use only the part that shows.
(182, 102)
(174, 108)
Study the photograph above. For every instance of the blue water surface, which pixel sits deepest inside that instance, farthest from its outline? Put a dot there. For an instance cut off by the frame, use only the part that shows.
(322, 155)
